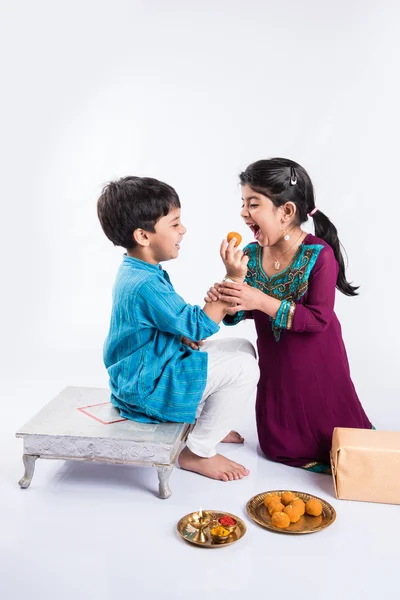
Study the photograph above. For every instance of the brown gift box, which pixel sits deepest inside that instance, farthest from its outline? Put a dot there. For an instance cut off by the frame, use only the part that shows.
(366, 465)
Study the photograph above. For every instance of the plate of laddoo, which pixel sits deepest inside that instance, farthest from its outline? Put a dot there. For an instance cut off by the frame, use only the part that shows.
(287, 511)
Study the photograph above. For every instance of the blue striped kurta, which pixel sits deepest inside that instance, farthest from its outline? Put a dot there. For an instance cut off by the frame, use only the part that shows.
(153, 376)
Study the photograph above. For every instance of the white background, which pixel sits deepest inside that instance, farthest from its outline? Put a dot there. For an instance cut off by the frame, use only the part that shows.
(190, 93)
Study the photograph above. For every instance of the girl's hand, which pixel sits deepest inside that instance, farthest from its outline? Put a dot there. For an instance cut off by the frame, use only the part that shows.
(213, 293)
(234, 260)
(193, 345)
(241, 296)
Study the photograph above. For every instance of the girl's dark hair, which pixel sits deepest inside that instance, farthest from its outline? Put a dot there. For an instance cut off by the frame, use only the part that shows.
(131, 203)
(283, 181)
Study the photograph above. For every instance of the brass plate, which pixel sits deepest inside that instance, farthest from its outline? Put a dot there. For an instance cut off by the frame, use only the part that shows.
(307, 524)
(187, 532)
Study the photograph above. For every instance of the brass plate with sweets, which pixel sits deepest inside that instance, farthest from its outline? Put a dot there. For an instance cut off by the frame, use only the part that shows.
(307, 524)
(191, 534)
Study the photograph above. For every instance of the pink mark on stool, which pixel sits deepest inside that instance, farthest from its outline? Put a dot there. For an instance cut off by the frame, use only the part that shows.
(101, 415)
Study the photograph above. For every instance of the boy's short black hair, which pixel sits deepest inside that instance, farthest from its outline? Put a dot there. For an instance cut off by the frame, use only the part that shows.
(131, 203)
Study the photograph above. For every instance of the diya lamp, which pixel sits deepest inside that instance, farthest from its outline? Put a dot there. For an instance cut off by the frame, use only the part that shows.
(200, 521)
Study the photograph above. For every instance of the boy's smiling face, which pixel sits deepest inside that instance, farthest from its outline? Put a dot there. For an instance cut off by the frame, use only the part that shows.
(164, 243)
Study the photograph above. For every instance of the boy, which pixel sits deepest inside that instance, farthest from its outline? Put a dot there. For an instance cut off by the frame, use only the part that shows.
(154, 377)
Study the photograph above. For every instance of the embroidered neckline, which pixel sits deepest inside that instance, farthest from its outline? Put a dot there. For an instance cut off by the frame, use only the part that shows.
(259, 255)
(288, 286)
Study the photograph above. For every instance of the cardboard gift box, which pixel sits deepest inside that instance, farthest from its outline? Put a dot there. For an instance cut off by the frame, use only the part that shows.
(366, 465)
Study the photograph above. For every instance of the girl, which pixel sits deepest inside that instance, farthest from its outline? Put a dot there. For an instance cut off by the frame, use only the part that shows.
(305, 389)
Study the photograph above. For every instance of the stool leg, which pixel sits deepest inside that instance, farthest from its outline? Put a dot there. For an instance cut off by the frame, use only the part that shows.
(29, 462)
(163, 478)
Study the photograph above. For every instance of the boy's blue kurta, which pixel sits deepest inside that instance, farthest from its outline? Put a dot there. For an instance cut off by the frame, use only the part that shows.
(153, 376)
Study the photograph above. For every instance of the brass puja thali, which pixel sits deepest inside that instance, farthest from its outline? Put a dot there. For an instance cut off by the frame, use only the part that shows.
(258, 511)
(203, 527)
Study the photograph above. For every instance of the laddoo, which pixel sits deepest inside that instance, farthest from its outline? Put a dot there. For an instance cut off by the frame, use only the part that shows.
(271, 498)
(275, 507)
(280, 520)
(292, 512)
(314, 507)
(232, 235)
(299, 504)
(287, 498)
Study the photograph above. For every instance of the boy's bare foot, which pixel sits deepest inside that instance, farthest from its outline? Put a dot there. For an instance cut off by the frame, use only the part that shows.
(233, 438)
(216, 467)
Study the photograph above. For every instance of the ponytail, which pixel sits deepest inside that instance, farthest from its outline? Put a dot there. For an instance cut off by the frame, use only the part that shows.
(326, 230)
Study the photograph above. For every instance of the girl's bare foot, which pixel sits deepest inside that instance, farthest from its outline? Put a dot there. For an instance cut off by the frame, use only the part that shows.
(233, 438)
(216, 467)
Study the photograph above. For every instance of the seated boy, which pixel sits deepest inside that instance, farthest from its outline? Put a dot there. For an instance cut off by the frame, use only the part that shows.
(154, 377)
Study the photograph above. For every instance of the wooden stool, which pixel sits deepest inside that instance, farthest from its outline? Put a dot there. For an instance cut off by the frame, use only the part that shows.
(81, 424)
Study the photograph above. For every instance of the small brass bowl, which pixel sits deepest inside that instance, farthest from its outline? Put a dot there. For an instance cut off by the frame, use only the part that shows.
(219, 539)
(230, 528)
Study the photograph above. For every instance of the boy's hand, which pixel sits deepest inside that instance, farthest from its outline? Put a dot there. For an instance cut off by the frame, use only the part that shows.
(193, 345)
(234, 260)
(213, 293)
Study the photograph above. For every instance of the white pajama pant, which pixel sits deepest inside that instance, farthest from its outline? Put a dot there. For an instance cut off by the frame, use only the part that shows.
(231, 380)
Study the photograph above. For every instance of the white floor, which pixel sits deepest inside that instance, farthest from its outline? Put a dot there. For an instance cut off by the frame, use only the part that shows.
(97, 531)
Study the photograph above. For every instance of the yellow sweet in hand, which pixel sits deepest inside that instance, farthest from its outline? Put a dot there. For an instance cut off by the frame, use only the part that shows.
(232, 235)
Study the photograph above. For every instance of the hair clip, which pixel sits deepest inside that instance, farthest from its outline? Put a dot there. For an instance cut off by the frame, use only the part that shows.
(312, 213)
(293, 176)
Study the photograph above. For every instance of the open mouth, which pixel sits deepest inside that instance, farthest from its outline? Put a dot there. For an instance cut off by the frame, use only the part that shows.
(178, 246)
(256, 230)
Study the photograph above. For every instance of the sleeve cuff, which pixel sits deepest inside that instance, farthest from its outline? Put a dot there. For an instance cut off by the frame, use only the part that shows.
(285, 315)
(234, 319)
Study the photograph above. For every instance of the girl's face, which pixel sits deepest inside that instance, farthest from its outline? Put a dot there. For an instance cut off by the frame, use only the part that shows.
(262, 216)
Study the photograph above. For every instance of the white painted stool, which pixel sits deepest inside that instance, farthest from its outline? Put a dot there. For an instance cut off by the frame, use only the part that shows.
(81, 424)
